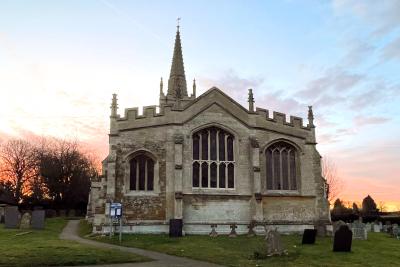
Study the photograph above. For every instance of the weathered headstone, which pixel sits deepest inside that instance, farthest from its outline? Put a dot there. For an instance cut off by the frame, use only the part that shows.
(309, 236)
(395, 230)
(251, 227)
(233, 230)
(368, 227)
(213, 232)
(50, 213)
(2, 211)
(25, 221)
(321, 228)
(11, 217)
(359, 230)
(274, 243)
(342, 240)
(175, 227)
(376, 228)
(38, 219)
(380, 226)
(62, 213)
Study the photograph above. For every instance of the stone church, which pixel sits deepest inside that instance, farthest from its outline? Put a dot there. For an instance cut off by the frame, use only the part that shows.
(207, 160)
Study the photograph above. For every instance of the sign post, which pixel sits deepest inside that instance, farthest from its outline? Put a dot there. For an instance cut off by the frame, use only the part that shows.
(116, 213)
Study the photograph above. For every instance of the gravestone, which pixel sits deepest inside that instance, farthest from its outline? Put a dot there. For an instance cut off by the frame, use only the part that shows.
(395, 230)
(337, 225)
(11, 217)
(251, 227)
(213, 232)
(342, 240)
(368, 227)
(376, 228)
(387, 227)
(25, 221)
(62, 213)
(50, 213)
(38, 219)
(274, 243)
(175, 227)
(309, 236)
(359, 230)
(321, 228)
(233, 230)
(2, 211)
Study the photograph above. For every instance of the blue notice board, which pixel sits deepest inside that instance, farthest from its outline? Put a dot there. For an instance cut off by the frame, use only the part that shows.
(116, 210)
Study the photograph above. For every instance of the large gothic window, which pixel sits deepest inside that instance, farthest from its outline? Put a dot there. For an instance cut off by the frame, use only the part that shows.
(281, 171)
(141, 173)
(213, 159)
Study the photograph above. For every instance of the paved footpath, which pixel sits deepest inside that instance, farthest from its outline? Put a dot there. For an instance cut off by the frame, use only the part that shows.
(159, 259)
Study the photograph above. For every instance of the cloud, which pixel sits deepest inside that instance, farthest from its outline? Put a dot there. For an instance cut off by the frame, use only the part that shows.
(231, 83)
(334, 80)
(358, 52)
(382, 17)
(363, 120)
(392, 50)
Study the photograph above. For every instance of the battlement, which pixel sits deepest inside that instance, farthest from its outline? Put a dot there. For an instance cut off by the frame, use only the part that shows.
(148, 112)
(281, 118)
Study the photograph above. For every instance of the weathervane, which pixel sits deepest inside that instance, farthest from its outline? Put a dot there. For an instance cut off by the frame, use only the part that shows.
(177, 22)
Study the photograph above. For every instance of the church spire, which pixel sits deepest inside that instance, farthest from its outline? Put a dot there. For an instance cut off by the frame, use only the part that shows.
(177, 80)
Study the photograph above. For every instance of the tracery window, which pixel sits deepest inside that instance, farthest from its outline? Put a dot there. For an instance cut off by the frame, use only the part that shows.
(141, 173)
(281, 172)
(213, 159)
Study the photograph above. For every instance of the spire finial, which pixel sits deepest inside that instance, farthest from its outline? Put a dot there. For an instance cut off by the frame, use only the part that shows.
(161, 87)
(310, 117)
(251, 100)
(194, 88)
(114, 106)
(177, 23)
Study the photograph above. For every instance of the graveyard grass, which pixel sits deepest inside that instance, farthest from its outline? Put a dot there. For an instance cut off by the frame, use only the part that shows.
(44, 248)
(378, 250)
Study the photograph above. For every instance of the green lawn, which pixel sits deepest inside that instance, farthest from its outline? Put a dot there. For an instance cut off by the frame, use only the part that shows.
(44, 248)
(378, 250)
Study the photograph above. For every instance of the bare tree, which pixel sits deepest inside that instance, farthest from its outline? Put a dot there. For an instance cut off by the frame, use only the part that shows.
(382, 206)
(334, 182)
(17, 166)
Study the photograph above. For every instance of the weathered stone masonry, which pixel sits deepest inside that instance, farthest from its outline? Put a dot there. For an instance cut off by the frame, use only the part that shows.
(164, 134)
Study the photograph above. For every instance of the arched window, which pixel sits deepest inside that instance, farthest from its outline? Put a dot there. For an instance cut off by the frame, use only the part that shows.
(141, 176)
(281, 172)
(213, 159)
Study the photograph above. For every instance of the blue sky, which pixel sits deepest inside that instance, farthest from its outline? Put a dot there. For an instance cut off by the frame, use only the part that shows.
(60, 61)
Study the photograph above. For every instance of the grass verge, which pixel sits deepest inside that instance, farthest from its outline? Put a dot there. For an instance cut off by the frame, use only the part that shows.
(378, 250)
(44, 248)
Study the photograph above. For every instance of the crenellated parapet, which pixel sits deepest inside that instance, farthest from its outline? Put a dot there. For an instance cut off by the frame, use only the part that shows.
(281, 118)
(175, 114)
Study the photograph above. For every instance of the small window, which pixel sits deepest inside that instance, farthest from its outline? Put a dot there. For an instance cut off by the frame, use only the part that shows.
(141, 173)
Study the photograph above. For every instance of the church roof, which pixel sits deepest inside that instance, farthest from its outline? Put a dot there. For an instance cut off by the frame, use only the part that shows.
(177, 81)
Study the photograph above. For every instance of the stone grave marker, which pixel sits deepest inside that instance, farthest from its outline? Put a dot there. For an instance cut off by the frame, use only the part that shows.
(376, 228)
(380, 226)
(359, 230)
(342, 240)
(25, 221)
(395, 230)
(233, 230)
(38, 219)
(320, 226)
(251, 227)
(274, 243)
(368, 227)
(62, 213)
(213, 232)
(309, 236)
(11, 217)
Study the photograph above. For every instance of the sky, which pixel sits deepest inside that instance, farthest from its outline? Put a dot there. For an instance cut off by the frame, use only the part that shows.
(60, 62)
